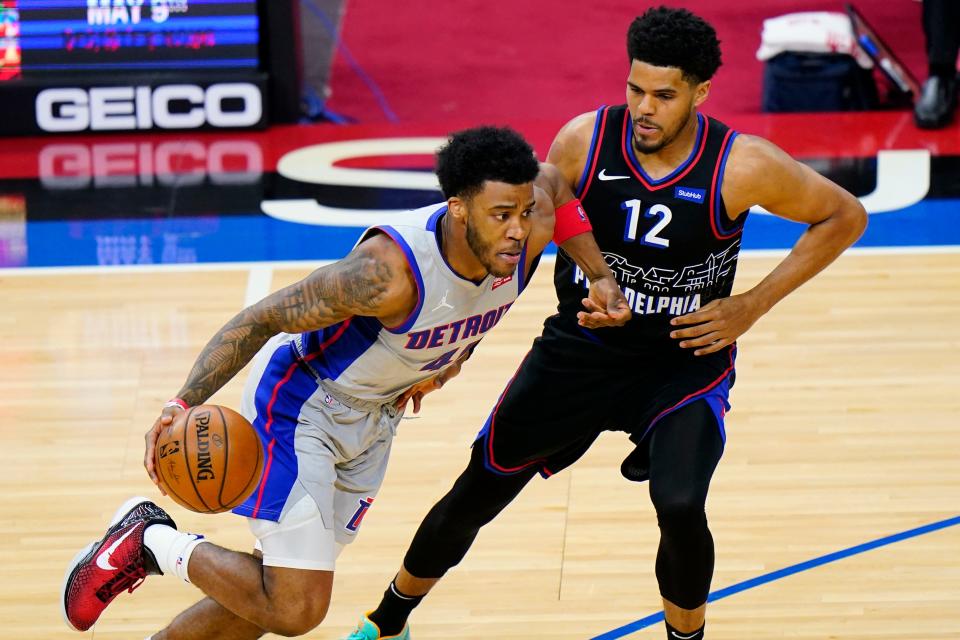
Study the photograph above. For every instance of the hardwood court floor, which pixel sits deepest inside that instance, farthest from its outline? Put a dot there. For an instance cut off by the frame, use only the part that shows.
(844, 430)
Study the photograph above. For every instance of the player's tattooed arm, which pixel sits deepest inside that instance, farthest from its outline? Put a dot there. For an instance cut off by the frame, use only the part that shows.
(373, 280)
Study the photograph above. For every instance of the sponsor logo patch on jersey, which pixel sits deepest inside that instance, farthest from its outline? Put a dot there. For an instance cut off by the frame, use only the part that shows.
(499, 282)
(690, 194)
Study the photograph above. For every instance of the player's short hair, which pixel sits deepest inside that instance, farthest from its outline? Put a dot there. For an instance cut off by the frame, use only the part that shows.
(669, 37)
(473, 156)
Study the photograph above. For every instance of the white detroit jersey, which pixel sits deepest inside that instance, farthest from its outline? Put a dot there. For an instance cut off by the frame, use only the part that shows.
(365, 359)
(337, 451)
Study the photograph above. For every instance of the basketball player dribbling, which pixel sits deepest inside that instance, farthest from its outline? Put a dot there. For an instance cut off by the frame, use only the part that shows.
(667, 191)
(343, 352)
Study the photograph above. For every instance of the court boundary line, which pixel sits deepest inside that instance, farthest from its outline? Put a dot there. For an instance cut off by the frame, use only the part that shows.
(298, 264)
(779, 574)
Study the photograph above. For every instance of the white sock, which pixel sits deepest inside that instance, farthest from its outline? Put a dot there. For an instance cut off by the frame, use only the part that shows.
(171, 548)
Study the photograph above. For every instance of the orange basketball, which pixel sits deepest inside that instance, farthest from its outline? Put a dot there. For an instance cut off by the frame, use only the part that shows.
(209, 458)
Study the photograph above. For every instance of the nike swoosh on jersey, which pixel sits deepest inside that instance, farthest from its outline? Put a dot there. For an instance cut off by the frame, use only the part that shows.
(604, 177)
(103, 560)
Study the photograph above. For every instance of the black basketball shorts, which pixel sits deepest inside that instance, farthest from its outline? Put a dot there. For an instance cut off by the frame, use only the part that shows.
(570, 388)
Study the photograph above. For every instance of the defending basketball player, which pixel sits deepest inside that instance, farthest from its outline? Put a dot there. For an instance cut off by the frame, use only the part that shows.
(341, 354)
(667, 190)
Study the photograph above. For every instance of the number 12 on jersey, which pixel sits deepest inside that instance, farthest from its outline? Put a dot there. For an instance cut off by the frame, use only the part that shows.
(651, 238)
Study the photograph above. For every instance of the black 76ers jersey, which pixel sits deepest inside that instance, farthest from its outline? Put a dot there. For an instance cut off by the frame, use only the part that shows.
(669, 242)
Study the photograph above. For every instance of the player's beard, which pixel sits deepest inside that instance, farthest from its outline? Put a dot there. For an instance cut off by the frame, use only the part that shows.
(485, 253)
(665, 139)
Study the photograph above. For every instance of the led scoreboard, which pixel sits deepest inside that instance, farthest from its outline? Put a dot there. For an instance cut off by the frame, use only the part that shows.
(101, 65)
(111, 35)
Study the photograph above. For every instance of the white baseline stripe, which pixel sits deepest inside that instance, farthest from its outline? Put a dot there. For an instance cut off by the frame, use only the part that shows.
(258, 284)
(313, 264)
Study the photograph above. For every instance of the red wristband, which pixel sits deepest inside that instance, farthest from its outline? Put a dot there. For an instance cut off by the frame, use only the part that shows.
(571, 220)
(176, 402)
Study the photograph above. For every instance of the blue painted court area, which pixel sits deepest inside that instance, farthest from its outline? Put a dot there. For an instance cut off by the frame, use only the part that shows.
(207, 239)
(786, 572)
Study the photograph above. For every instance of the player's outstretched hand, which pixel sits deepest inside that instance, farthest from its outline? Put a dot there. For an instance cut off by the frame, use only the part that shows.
(606, 306)
(716, 325)
(150, 438)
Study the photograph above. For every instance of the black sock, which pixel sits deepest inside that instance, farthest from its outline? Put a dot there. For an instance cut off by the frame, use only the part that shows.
(673, 634)
(393, 611)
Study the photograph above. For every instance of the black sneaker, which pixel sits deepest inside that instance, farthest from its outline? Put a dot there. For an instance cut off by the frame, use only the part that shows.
(936, 103)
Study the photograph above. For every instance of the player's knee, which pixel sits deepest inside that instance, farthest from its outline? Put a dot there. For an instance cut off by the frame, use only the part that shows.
(680, 513)
(298, 615)
(458, 521)
(295, 607)
(476, 498)
(452, 515)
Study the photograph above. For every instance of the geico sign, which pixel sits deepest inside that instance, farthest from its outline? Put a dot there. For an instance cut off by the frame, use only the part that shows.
(129, 108)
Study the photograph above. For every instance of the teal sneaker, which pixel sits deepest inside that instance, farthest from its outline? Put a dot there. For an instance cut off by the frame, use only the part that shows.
(367, 630)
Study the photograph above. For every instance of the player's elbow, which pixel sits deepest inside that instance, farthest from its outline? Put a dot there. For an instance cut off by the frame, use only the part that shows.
(549, 173)
(551, 180)
(848, 220)
(267, 318)
(854, 219)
